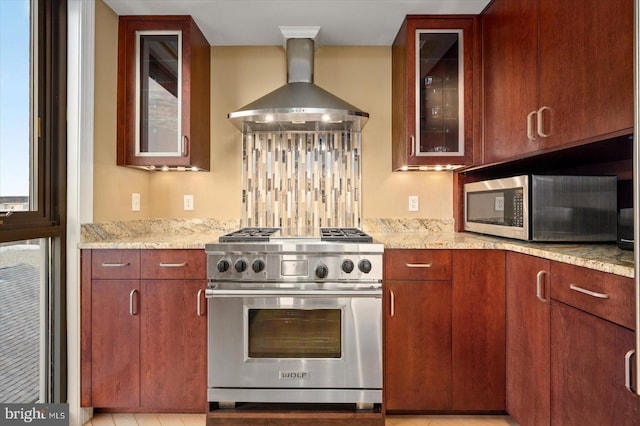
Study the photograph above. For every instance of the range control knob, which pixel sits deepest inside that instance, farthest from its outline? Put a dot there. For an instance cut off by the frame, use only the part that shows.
(347, 266)
(322, 271)
(257, 265)
(223, 265)
(365, 266)
(241, 265)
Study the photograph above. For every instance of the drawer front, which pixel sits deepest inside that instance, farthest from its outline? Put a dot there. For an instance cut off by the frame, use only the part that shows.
(115, 264)
(605, 295)
(173, 264)
(417, 265)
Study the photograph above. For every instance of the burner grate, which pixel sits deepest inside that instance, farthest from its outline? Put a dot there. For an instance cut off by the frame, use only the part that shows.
(248, 234)
(351, 235)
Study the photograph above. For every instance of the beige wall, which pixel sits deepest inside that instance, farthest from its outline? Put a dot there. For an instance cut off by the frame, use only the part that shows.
(359, 75)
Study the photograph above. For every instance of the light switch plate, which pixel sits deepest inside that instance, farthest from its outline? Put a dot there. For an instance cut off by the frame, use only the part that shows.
(414, 203)
(135, 202)
(188, 202)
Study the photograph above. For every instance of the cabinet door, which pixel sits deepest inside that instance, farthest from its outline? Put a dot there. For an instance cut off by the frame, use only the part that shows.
(432, 74)
(115, 343)
(586, 69)
(478, 330)
(163, 93)
(173, 345)
(417, 375)
(528, 340)
(587, 373)
(509, 49)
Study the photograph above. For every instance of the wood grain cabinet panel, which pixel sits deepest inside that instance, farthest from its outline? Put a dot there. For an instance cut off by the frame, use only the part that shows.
(173, 350)
(556, 74)
(115, 264)
(587, 370)
(417, 265)
(173, 264)
(605, 295)
(115, 343)
(417, 346)
(528, 339)
(426, 101)
(478, 344)
(144, 341)
(163, 95)
(444, 338)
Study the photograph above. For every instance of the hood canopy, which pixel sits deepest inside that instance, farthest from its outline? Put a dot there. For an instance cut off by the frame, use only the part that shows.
(299, 105)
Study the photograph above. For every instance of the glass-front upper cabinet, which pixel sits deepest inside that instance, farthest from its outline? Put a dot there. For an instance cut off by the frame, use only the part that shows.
(432, 93)
(163, 94)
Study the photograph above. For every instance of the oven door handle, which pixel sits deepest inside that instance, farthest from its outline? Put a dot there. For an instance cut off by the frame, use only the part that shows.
(375, 292)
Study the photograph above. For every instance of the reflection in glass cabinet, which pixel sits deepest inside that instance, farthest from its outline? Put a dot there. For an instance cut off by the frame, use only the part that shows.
(439, 93)
(159, 91)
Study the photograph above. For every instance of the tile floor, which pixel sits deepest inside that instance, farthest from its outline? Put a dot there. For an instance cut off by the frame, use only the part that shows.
(105, 419)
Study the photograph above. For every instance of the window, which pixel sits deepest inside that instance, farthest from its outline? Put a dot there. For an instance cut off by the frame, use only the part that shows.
(33, 190)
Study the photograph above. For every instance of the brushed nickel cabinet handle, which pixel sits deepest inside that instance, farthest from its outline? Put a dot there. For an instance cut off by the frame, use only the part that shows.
(539, 284)
(418, 265)
(628, 373)
(131, 310)
(115, 265)
(392, 304)
(540, 122)
(185, 145)
(412, 141)
(199, 304)
(531, 134)
(173, 265)
(588, 292)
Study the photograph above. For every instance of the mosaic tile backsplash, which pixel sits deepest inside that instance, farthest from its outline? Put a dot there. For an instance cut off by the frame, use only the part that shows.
(301, 180)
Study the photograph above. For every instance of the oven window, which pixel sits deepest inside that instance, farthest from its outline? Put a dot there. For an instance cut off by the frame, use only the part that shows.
(295, 333)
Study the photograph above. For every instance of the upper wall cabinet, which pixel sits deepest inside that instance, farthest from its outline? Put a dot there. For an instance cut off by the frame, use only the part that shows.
(432, 92)
(556, 74)
(163, 93)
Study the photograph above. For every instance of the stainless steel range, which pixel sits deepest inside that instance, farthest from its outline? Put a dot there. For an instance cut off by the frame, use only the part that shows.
(295, 318)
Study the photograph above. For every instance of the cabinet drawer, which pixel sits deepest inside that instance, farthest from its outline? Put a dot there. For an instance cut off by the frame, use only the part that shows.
(605, 295)
(173, 264)
(115, 264)
(403, 264)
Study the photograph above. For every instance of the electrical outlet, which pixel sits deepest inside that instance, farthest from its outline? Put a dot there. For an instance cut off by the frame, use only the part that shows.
(188, 202)
(499, 204)
(135, 202)
(414, 203)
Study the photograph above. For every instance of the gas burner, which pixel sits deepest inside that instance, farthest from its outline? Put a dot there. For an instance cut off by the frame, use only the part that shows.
(248, 234)
(351, 235)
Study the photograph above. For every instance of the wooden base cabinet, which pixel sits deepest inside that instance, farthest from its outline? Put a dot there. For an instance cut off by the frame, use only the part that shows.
(528, 339)
(115, 344)
(587, 370)
(417, 330)
(592, 321)
(478, 330)
(444, 331)
(144, 342)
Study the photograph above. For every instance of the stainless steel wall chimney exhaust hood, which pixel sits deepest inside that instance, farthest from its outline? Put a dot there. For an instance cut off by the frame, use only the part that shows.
(299, 105)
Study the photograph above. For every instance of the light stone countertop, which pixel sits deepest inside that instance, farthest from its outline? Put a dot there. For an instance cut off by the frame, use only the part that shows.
(393, 233)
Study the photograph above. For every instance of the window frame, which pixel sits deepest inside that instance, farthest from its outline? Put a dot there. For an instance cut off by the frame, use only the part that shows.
(49, 129)
(49, 220)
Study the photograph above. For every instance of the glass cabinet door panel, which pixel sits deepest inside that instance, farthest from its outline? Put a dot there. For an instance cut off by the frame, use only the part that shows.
(440, 92)
(159, 88)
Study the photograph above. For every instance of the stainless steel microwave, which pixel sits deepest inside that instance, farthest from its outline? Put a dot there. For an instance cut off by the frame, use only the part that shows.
(543, 208)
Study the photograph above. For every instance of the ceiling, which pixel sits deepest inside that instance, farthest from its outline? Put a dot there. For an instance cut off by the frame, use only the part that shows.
(256, 22)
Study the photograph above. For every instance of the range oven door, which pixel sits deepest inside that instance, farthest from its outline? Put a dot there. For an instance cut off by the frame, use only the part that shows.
(294, 345)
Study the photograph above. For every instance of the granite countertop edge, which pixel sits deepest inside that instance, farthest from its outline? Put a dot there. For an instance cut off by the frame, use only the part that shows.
(602, 257)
